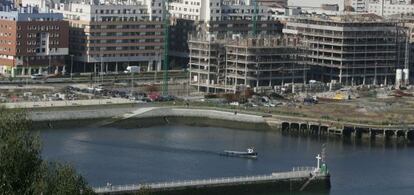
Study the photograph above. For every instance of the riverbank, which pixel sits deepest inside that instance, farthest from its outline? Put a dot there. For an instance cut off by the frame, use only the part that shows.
(129, 117)
(146, 115)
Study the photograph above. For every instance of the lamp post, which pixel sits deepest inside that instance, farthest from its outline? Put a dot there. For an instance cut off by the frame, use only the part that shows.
(71, 67)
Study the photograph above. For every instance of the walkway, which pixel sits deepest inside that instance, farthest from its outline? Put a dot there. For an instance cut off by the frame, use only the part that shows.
(296, 173)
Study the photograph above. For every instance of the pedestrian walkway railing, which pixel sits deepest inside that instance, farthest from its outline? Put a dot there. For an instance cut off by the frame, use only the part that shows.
(297, 172)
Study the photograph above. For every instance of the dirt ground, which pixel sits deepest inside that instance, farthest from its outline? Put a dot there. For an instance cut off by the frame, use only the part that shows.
(393, 110)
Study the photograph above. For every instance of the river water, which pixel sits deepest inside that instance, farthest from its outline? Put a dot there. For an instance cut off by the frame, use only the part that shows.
(167, 153)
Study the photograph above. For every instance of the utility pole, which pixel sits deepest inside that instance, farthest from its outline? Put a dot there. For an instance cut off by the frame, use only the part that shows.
(166, 19)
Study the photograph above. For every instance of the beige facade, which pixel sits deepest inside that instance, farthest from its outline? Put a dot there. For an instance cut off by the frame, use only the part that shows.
(110, 37)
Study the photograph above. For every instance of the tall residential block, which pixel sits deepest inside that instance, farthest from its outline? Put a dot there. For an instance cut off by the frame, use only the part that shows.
(112, 35)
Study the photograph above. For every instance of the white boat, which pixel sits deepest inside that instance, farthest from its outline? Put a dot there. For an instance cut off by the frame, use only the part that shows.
(249, 153)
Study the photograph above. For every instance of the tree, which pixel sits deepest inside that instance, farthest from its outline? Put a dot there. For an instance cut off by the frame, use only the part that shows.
(230, 97)
(22, 171)
(151, 88)
(20, 160)
(61, 179)
(145, 190)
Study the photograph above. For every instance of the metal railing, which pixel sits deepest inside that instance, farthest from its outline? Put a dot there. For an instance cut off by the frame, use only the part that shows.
(297, 172)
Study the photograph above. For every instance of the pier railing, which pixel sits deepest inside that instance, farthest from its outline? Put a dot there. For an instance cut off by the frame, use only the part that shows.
(297, 172)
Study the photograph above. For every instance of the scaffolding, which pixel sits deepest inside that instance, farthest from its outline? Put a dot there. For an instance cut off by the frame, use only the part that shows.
(352, 49)
(227, 65)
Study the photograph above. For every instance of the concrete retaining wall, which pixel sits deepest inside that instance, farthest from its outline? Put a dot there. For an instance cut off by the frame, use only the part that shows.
(201, 113)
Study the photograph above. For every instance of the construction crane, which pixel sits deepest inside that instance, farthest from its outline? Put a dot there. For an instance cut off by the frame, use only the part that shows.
(255, 17)
(166, 21)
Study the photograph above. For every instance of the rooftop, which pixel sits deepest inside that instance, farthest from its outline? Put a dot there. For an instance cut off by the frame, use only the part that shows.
(346, 18)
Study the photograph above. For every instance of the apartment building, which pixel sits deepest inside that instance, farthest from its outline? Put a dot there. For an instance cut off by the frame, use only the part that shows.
(352, 49)
(112, 35)
(390, 7)
(227, 65)
(357, 5)
(32, 41)
(223, 18)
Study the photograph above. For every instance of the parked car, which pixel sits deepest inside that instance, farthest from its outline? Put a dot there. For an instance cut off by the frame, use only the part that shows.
(37, 76)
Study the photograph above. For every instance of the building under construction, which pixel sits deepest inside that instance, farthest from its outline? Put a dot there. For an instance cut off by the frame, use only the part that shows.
(352, 49)
(227, 65)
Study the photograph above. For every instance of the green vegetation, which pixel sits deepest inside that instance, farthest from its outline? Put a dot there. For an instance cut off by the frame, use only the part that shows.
(22, 171)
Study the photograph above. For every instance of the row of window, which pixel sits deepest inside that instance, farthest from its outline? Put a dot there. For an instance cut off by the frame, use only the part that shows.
(184, 9)
(5, 26)
(123, 48)
(123, 55)
(125, 34)
(39, 50)
(126, 41)
(5, 42)
(191, 2)
(119, 11)
(5, 49)
(53, 42)
(34, 35)
(127, 26)
(38, 27)
(5, 34)
(40, 57)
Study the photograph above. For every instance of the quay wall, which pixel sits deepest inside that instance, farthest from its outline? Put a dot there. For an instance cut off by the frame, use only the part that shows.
(193, 117)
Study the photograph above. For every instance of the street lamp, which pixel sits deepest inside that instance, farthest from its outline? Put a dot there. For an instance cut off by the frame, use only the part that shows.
(71, 67)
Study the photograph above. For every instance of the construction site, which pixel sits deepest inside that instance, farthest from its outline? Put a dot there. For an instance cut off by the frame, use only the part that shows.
(351, 49)
(227, 65)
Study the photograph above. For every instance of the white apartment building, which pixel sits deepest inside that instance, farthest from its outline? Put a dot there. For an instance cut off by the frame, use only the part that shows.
(390, 7)
(358, 5)
(217, 10)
